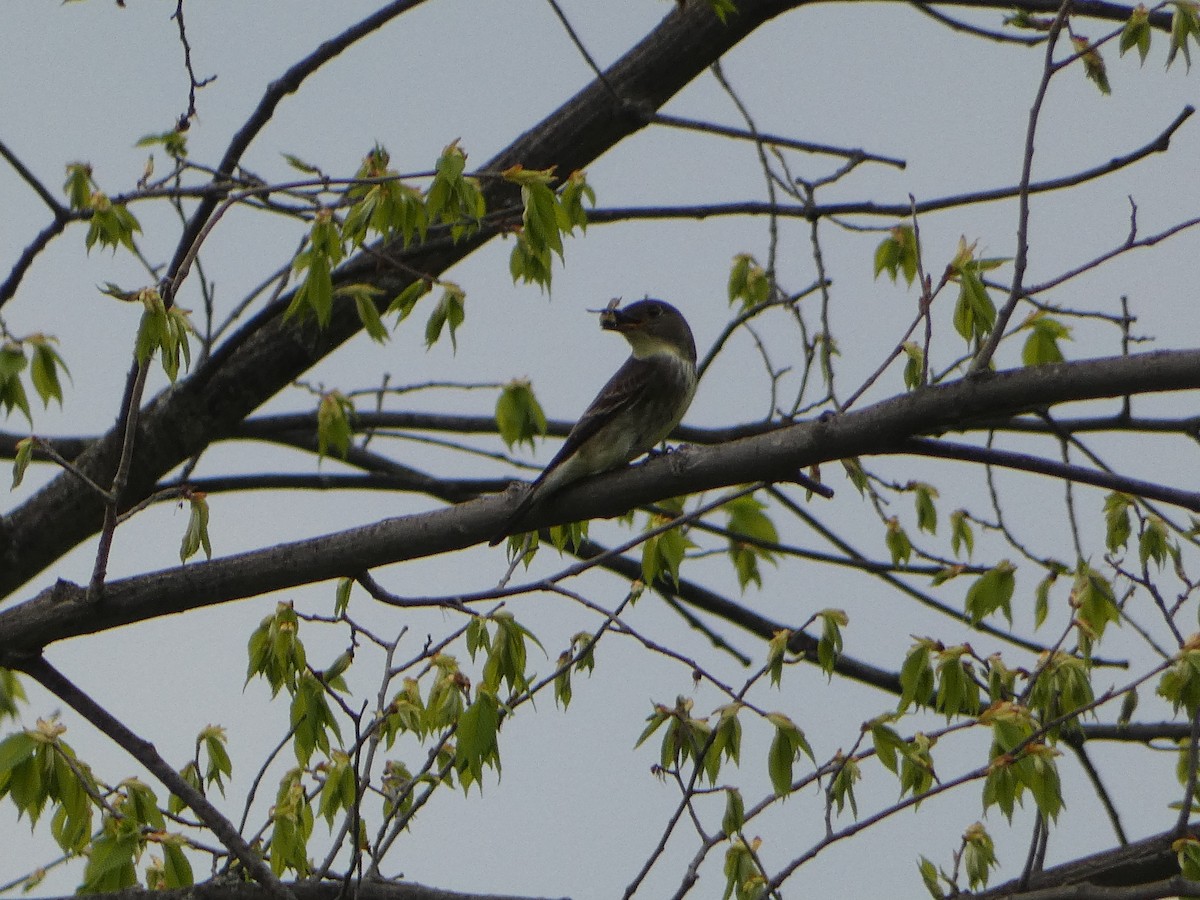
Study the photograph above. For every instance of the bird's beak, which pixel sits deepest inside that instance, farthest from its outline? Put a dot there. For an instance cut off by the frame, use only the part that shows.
(616, 320)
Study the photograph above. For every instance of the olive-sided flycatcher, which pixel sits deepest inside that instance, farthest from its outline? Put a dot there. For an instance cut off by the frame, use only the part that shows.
(638, 407)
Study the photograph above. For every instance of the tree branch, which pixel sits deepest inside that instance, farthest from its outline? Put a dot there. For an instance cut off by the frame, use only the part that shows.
(775, 456)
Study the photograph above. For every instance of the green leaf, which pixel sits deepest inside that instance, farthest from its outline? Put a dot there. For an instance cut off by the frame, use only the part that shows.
(404, 302)
(1179, 684)
(787, 745)
(177, 871)
(300, 165)
(957, 692)
(11, 694)
(663, 554)
(449, 312)
(477, 736)
(742, 875)
(333, 424)
(78, 186)
(574, 191)
(1136, 32)
(519, 416)
(841, 789)
(1041, 347)
(1153, 543)
(916, 766)
(723, 9)
(507, 655)
(898, 254)
(312, 719)
(454, 199)
(275, 649)
(979, 856)
(897, 542)
(196, 535)
(21, 460)
(364, 296)
(735, 812)
(1185, 23)
(1187, 852)
(748, 282)
(829, 646)
(926, 511)
(212, 741)
(914, 366)
(776, 650)
(1095, 602)
(747, 520)
(341, 599)
(339, 793)
(12, 393)
(1093, 63)
(929, 875)
(992, 591)
(916, 675)
(888, 745)
(43, 369)
(1116, 520)
(111, 224)
(961, 535)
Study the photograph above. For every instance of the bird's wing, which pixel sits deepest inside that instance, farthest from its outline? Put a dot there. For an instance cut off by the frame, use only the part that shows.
(625, 390)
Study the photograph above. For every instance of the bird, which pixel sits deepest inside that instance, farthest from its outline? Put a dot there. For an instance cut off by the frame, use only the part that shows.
(635, 410)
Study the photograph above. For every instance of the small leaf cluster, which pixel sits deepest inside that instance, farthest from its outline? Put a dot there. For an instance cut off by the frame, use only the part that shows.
(744, 878)
(688, 739)
(1180, 683)
(1019, 763)
(162, 329)
(940, 677)
(381, 205)
(519, 416)
(291, 826)
(974, 311)
(749, 528)
(547, 216)
(38, 768)
(978, 858)
(1042, 345)
(1185, 27)
(334, 430)
(124, 834)
(505, 645)
(11, 694)
(211, 745)
(195, 537)
(109, 224)
(663, 553)
(37, 353)
(899, 254)
(1154, 544)
(578, 657)
(748, 283)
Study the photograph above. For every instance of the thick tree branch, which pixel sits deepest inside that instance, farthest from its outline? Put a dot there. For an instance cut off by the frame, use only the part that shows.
(1117, 874)
(59, 611)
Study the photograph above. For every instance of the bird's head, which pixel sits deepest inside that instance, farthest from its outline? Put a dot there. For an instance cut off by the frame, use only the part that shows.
(651, 327)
